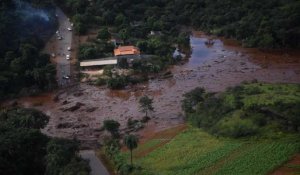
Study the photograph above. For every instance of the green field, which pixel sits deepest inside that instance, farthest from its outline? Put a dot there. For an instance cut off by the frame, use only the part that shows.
(193, 151)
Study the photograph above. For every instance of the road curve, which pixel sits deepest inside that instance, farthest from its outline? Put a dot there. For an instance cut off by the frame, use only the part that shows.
(97, 168)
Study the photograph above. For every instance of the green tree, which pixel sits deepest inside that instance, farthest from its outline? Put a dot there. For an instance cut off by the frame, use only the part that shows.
(59, 153)
(146, 105)
(192, 98)
(77, 166)
(104, 34)
(112, 126)
(131, 142)
(22, 151)
(24, 118)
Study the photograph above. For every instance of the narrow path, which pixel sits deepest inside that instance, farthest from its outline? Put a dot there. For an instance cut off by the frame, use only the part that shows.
(97, 168)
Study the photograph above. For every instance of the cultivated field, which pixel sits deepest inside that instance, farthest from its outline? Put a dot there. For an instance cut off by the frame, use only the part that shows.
(193, 151)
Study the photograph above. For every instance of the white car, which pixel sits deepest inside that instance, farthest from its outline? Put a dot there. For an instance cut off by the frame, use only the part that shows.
(66, 77)
(68, 57)
(69, 28)
(53, 54)
(72, 24)
(69, 48)
(59, 37)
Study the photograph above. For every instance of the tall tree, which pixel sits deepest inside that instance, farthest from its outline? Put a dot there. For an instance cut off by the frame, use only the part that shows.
(146, 105)
(131, 142)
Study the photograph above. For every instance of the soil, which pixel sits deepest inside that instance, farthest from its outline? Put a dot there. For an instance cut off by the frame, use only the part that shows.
(290, 168)
(217, 67)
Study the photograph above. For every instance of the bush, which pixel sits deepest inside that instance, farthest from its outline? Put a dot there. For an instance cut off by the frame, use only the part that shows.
(235, 127)
(246, 110)
(77, 166)
(100, 82)
(118, 82)
(112, 126)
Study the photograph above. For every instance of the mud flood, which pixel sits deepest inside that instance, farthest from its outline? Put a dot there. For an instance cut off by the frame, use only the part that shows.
(79, 111)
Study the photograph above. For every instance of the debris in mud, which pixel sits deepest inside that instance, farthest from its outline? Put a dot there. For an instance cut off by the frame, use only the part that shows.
(80, 126)
(56, 98)
(78, 94)
(73, 108)
(65, 102)
(167, 75)
(92, 109)
(14, 103)
(64, 125)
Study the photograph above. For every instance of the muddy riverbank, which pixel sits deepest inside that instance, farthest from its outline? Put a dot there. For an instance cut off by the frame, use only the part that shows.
(79, 111)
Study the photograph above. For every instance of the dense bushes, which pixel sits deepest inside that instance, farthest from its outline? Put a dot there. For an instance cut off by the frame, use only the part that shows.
(62, 159)
(22, 34)
(25, 150)
(245, 110)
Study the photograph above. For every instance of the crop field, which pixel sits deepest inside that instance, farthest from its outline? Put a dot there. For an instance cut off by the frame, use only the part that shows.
(193, 151)
(261, 159)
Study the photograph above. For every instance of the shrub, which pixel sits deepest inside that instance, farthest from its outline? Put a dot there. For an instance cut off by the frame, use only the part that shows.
(118, 82)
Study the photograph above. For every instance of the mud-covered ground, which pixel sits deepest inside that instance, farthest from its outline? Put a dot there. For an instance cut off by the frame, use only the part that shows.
(79, 111)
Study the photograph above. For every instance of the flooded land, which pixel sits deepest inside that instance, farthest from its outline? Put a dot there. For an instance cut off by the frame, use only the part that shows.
(78, 111)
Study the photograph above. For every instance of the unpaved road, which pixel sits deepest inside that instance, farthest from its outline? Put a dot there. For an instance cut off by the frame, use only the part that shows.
(97, 168)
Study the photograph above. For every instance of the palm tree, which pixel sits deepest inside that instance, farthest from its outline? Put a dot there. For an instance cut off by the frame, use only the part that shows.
(131, 141)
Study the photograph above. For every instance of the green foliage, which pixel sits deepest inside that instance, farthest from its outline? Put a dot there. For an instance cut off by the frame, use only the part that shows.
(117, 82)
(245, 110)
(22, 66)
(59, 153)
(146, 105)
(103, 34)
(112, 126)
(76, 166)
(196, 152)
(112, 150)
(265, 24)
(25, 150)
(261, 159)
(192, 98)
(131, 142)
(24, 118)
(22, 151)
(188, 153)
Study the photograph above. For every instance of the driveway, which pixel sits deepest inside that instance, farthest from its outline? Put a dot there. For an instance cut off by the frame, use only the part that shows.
(96, 165)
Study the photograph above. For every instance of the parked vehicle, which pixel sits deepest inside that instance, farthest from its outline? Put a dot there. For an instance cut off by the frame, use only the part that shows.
(68, 57)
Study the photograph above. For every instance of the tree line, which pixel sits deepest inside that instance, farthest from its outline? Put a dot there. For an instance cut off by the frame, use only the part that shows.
(24, 150)
(23, 68)
(265, 23)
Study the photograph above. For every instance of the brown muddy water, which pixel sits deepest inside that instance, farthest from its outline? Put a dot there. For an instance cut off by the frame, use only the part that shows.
(216, 67)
